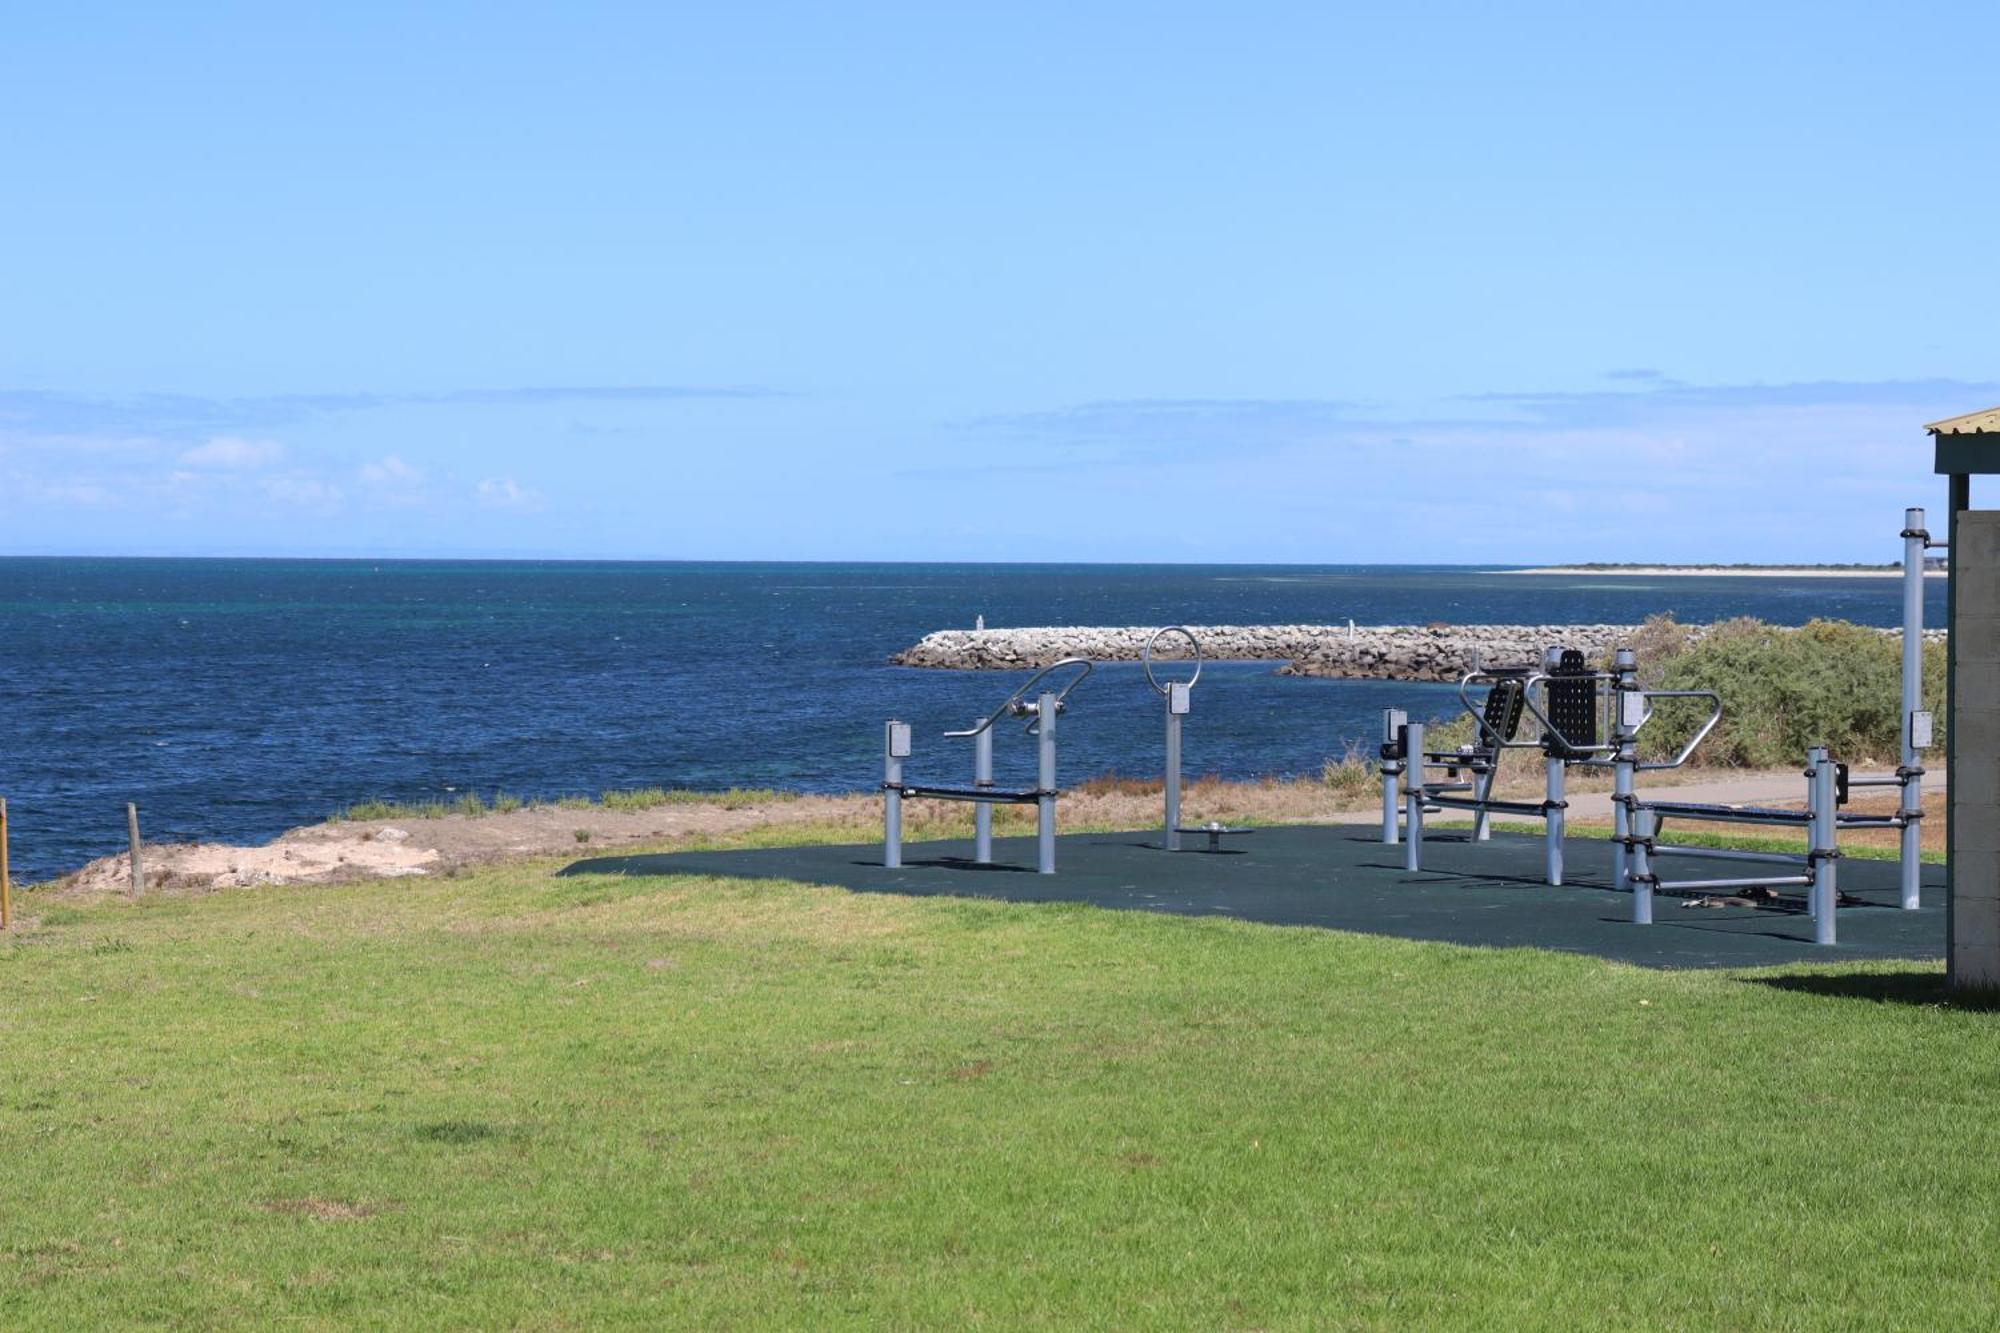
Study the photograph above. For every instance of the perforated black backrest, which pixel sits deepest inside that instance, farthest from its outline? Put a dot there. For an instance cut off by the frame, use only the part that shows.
(1503, 710)
(1573, 704)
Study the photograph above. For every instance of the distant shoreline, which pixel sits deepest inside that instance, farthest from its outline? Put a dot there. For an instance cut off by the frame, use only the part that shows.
(1726, 571)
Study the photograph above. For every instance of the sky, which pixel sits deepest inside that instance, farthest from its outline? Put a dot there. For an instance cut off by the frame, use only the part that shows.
(1411, 283)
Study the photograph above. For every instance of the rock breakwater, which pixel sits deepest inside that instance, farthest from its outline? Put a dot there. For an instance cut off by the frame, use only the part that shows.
(1385, 652)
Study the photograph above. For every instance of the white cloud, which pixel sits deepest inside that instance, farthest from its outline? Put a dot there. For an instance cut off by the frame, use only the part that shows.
(506, 493)
(303, 492)
(392, 481)
(391, 471)
(233, 454)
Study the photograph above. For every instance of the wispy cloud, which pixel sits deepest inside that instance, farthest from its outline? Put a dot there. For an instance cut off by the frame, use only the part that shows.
(1189, 430)
(1663, 398)
(391, 471)
(506, 493)
(310, 493)
(1652, 469)
(185, 417)
(1154, 430)
(234, 454)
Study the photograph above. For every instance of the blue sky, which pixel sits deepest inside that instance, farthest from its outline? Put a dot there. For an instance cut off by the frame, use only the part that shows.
(1277, 282)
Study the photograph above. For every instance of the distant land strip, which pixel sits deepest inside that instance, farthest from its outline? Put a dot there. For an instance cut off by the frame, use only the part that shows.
(1733, 571)
(1370, 652)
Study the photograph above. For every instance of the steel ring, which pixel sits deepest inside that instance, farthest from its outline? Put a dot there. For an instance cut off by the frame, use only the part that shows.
(1146, 656)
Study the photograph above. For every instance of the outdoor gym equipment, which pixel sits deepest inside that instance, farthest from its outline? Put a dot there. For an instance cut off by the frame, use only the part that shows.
(1916, 723)
(1573, 704)
(1568, 700)
(1179, 698)
(1041, 716)
(1816, 868)
(1829, 784)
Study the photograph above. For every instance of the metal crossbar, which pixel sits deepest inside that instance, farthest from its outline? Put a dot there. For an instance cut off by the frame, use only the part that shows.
(1729, 814)
(989, 795)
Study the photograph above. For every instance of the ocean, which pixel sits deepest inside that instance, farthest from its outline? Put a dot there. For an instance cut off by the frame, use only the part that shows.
(232, 699)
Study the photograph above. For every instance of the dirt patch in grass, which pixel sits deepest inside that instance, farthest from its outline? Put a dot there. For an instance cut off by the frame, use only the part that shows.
(321, 1210)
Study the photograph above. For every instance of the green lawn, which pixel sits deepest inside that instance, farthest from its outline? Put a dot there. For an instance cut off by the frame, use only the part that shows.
(512, 1100)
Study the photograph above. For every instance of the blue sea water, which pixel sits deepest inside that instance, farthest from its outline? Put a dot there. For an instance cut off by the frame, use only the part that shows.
(233, 699)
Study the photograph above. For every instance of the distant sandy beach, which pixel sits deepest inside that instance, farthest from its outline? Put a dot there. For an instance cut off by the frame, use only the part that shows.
(1724, 571)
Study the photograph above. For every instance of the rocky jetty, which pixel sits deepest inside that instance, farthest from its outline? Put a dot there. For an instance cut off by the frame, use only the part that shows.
(1385, 652)
(1447, 652)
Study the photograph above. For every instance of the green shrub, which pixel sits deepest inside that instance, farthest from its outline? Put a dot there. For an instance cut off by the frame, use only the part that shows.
(1827, 683)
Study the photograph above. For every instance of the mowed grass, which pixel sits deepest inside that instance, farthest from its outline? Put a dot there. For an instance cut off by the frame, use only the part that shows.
(511, 1099)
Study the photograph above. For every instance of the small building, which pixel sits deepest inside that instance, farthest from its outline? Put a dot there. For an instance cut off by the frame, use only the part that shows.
(1969, 446)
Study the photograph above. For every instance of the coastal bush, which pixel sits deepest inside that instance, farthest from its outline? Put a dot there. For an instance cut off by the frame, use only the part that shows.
(1827, 683)
(1352, 775)
(639, 798)
(378, 809)
(733, 798)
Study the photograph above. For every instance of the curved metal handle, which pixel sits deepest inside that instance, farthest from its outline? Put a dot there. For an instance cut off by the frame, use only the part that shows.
(1489, 679)
(1700, 735)
(1146, 656)
(1012, 705)
(1527, 681)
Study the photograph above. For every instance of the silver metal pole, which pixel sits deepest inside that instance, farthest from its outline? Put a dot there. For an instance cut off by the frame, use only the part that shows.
(1173, 829)
(1915, 540)
(1552, 819)
(1822, 860)
(1413, 801)
(982, 813)
(1482, 819)
(1753, 882)
(1045, 775)
(1392, 769)
(1628, 708)
(1641, 869)
(1826, 843)
(895, 749)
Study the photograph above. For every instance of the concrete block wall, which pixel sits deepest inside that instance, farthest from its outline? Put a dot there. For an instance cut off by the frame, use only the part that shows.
(1975, 739)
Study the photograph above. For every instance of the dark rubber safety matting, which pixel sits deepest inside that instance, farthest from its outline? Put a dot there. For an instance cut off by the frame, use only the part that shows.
(1344, 878)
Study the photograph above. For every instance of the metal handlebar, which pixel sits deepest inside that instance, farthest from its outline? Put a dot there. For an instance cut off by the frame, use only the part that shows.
(1490, 679)
(1527, 681)
(1146, 657)
(1012, 705)
(1701, 733)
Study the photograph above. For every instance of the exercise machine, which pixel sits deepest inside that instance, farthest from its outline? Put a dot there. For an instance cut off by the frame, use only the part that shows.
(1573, 705)
(1178, 695)
(1040, 713)
(1816, 870)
